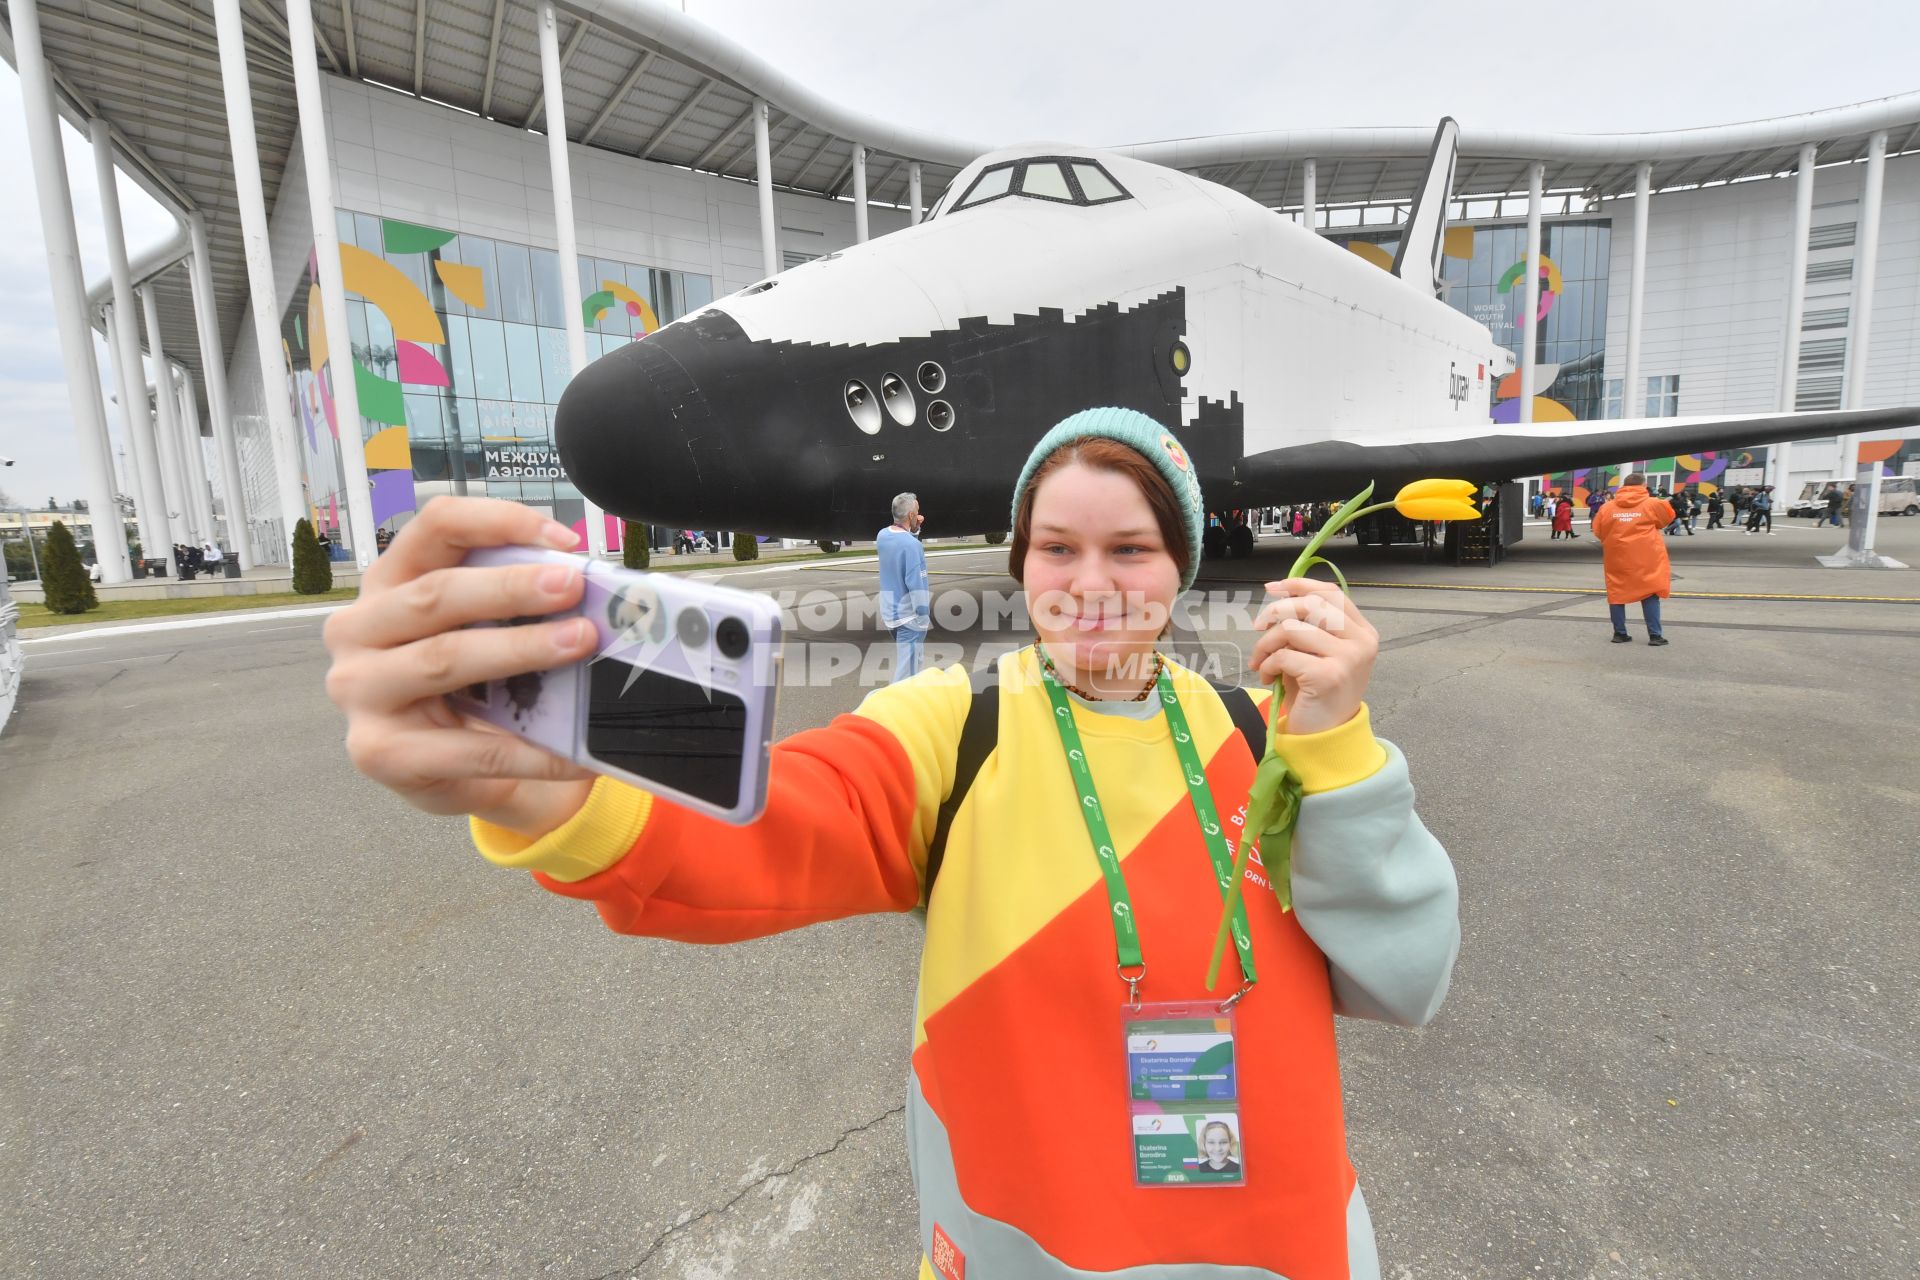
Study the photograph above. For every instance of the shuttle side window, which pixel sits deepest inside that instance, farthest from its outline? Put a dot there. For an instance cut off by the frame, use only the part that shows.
(1095, 183)
(1045, 180)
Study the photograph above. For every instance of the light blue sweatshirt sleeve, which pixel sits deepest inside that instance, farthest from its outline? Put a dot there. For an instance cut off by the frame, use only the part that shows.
(922, 596)
(1376, 892)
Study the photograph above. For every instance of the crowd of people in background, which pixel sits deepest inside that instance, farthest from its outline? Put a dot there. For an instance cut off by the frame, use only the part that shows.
(1302, 520)
(1744, 506)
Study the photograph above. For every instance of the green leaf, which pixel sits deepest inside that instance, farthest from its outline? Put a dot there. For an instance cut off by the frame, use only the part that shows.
(1273, 808)
(1338, 576)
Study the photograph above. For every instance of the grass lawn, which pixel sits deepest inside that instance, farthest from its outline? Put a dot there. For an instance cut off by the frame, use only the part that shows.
(38, 615)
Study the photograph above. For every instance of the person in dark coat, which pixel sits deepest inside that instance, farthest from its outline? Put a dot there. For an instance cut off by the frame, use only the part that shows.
(1716, 506)
(1834, 501)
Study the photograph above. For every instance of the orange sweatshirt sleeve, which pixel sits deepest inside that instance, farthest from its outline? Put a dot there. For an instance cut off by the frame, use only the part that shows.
(850, 811)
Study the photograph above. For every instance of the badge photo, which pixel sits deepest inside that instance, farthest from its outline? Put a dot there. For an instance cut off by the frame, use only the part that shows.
(1188, 1149)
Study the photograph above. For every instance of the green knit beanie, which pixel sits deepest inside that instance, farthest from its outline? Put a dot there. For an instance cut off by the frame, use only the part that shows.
(1148, 439)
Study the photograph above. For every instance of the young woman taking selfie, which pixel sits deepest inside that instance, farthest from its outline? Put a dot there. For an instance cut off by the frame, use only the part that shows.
(1079, 1100)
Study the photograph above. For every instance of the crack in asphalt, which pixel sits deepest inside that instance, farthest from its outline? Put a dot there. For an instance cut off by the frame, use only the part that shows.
(1460, 628)
(633, 1269)
(1391, 708)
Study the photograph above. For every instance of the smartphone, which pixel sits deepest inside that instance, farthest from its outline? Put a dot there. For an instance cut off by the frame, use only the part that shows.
(678, 697)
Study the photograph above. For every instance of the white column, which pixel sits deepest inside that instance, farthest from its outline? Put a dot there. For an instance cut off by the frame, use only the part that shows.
(315, 151)
(913, 190)
(859, 194)
(1782, 458)
(763, 170)
(1866, 256)
(1529, 324)
(213, 372)
(130, 388)
(167, 426)
(123, 345)
(1632, 387)
(284, 434)
(69, 290)
(563, 226)
(200, 504)
(1310, 196)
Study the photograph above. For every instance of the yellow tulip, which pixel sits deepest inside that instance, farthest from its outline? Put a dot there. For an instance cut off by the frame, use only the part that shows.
(1437, 500)
(1437, 509)
(1462, 489)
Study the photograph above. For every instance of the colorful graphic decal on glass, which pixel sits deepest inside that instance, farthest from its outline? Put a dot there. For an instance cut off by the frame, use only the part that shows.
(1551, 283)
(405, 237)
(611, 293)
(458, 352)
(1506, 394)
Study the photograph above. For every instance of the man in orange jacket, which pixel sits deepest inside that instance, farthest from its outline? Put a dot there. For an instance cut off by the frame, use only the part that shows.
(1635, 556)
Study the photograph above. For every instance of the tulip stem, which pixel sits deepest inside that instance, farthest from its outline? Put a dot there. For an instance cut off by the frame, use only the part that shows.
(1348, 512)
(1266, 797)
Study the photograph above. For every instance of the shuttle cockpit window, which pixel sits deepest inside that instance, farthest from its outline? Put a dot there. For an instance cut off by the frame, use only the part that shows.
(1094, 181)
(990, 185)
(1045, 179)
(1063, 179)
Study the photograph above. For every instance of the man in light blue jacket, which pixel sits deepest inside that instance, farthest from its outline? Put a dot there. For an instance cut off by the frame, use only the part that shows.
(905, 603)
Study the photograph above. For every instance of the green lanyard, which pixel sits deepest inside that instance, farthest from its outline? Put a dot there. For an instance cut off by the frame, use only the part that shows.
(1126, 935)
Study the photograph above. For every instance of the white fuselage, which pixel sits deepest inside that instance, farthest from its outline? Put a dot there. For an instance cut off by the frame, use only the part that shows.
(1318, 343)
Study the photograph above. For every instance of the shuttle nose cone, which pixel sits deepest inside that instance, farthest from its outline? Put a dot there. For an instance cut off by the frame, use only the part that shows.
(636, 429)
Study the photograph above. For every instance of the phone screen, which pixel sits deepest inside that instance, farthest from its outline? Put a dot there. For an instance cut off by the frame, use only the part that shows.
(668, 730)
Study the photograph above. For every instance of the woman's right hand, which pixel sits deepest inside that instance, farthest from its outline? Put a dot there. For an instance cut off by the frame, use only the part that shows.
(401, 646)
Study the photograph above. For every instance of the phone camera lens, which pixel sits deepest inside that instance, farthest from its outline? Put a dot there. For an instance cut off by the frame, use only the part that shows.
(730, 637)
(691, 628)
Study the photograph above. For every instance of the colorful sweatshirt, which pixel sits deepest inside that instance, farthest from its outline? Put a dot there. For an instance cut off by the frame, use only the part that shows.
(1017, 1033)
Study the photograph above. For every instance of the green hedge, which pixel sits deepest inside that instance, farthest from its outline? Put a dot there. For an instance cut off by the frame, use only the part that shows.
(312, 573)
(633, 545)
(69, 589)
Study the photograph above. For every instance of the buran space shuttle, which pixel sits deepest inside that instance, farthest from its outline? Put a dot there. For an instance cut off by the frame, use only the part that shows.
(1051, 279)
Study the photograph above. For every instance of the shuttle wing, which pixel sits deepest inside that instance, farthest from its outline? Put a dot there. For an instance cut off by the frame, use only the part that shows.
(1483, 454)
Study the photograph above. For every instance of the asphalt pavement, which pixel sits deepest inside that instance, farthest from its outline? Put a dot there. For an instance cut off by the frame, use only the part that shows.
(263, 1019)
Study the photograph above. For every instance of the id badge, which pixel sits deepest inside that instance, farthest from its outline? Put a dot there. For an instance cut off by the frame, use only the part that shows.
(1183, 1095)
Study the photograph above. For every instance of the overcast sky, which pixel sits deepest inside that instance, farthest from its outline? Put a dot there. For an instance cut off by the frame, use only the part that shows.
(1003, 71)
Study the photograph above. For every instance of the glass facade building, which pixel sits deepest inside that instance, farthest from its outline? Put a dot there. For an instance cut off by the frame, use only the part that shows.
(459, 354)
(1484, 271)
(1572, 329)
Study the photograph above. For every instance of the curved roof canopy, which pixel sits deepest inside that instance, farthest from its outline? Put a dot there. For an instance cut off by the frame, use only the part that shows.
(645, 81)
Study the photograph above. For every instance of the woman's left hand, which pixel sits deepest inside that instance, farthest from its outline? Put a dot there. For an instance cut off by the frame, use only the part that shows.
(1319, 646)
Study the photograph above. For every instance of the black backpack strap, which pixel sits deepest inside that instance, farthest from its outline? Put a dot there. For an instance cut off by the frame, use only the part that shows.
(981, 733)
(1246, 717)
(978, 736)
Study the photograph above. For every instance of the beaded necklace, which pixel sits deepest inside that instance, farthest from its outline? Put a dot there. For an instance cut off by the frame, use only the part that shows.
(1046, 664)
